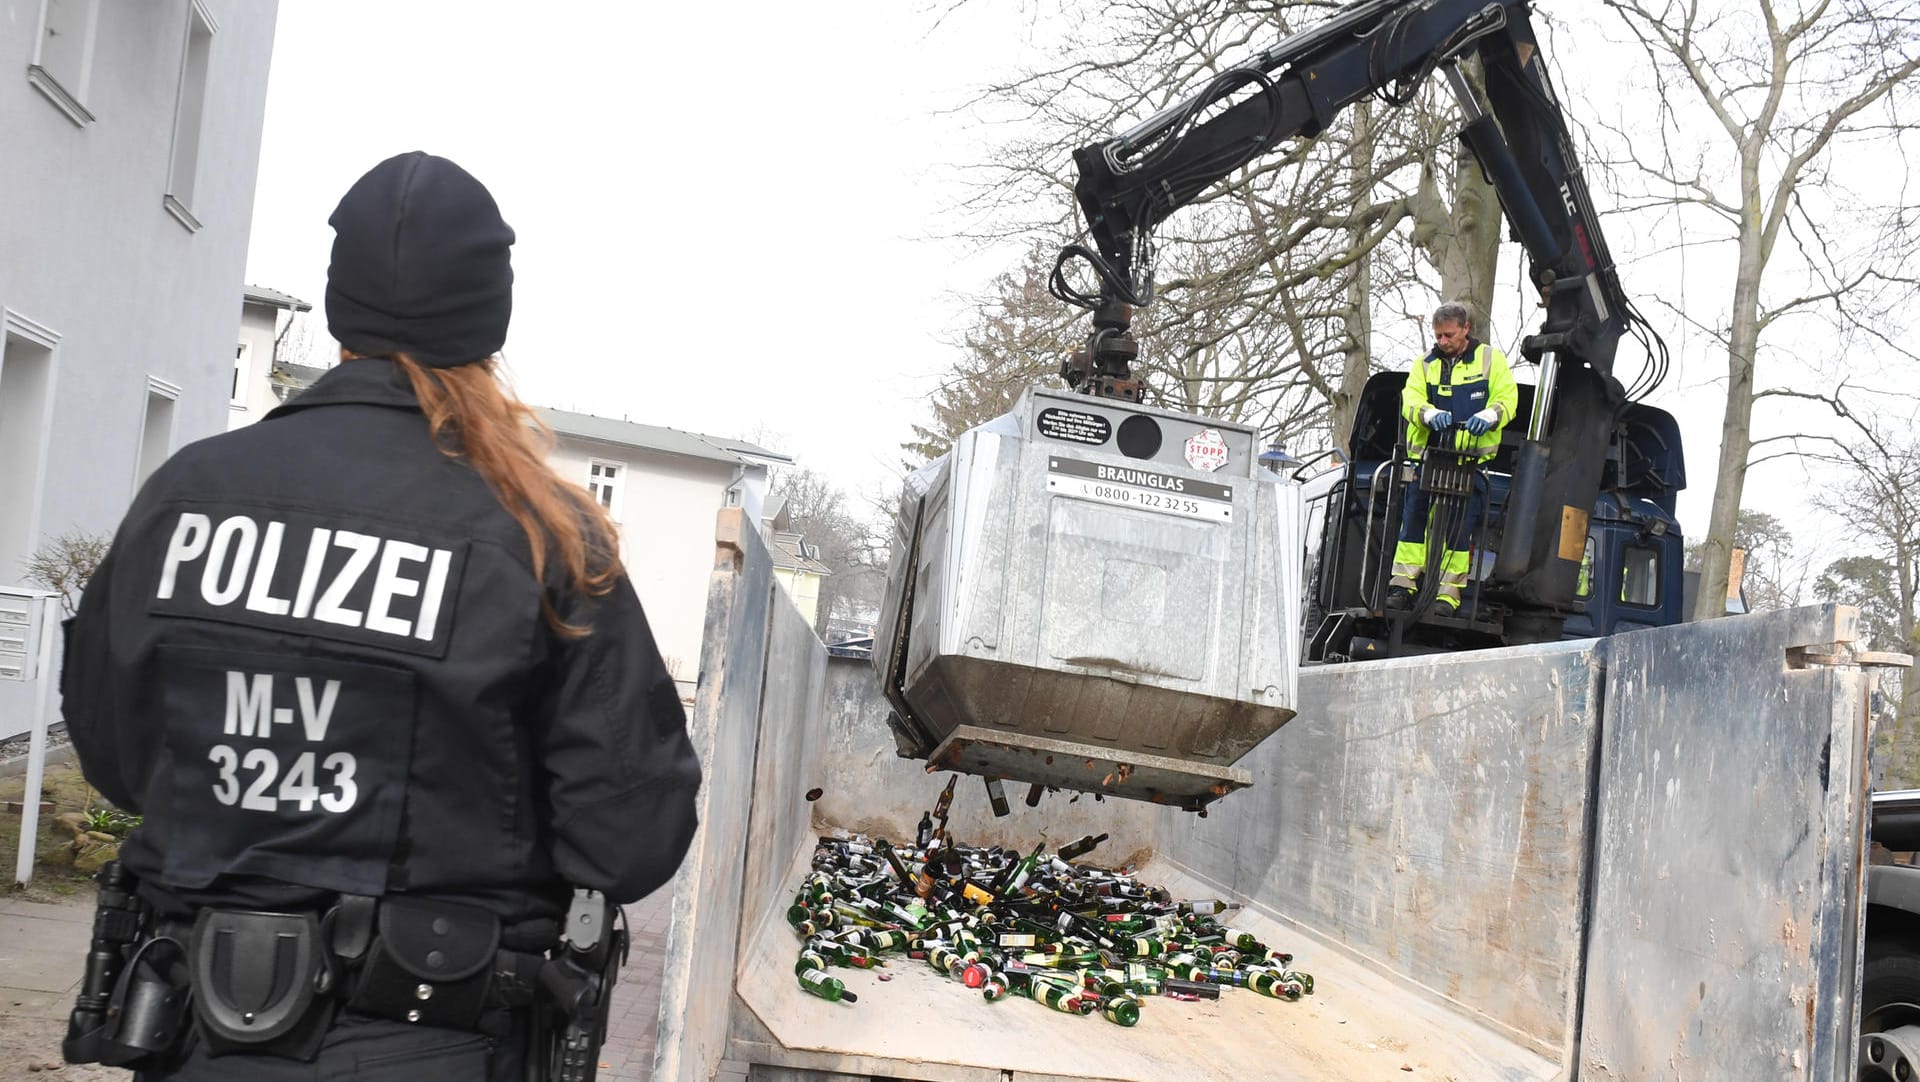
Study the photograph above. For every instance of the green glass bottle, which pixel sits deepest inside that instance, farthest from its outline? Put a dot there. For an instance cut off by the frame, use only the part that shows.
(997, 798)
(1121, 1010)
(809, 959)
(1277, 985)
(1245, 941)
(1145, 947)
(894, 863)
(995, 988)
(817, 982)
(1074, 850)
(1059, 998)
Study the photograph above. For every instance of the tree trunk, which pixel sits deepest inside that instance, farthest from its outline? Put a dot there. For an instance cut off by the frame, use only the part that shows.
(1472, 251)
(1357, 362)
(1462, 240)
(1736, 425)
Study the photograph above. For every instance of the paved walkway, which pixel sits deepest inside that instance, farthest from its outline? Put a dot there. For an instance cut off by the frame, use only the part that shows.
(628, 1054)
(43, 948)
(43, 951)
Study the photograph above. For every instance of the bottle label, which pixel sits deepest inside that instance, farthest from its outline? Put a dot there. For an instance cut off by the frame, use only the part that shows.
(815, 976)
(1018, 940)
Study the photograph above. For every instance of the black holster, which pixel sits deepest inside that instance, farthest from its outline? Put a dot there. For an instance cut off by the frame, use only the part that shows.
(133, 1003)
(576, 985)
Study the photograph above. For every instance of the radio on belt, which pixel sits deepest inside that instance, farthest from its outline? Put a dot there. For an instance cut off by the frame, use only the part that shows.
(1096, 595)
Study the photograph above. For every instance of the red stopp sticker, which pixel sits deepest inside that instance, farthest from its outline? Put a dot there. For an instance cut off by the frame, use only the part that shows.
(1206, 450)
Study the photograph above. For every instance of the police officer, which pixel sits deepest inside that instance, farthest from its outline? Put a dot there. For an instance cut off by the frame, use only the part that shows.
(378, 682)
(1461, 380)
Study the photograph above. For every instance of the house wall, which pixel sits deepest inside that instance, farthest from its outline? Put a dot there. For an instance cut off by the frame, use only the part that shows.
(255, 398)
(665, 507)
(130, 298)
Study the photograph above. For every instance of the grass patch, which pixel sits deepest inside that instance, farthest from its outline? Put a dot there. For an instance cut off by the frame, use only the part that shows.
(54, 876)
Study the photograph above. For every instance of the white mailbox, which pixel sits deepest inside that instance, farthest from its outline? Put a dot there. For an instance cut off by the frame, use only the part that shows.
(29, 619)
(17, 633)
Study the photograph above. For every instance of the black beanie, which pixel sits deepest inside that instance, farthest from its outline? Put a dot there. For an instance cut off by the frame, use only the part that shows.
(420, 264)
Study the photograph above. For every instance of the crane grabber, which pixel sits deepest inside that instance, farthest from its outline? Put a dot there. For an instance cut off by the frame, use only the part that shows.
(1130, 183)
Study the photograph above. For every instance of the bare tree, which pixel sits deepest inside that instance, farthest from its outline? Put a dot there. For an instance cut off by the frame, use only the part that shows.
(1268, 280)
(1018, 338)
(66, 563)
(1784, 83)
(852, 548)
(1880, 500)
(1776, 572)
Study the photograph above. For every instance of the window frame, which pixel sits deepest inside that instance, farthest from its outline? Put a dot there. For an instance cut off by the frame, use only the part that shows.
(614, 484)
(69, 99)
(242, 377)
(1627, 549)
(181, 183)
(33, 468)
(156, 388)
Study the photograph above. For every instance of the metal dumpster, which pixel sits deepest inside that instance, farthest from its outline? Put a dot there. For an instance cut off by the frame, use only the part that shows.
(1628, 859)
(1094, 595)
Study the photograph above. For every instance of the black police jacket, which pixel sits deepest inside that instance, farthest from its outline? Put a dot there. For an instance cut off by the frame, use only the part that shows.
(314, 659)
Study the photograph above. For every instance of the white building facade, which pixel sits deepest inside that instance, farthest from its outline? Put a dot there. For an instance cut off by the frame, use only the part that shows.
(664, 488)
(260, 380)
(130, 133)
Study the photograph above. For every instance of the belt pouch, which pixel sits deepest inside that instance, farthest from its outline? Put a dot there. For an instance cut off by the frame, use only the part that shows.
(431, 964)
(255, 978)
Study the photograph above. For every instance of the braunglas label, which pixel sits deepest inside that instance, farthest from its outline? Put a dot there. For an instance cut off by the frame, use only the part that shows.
(1148, 490)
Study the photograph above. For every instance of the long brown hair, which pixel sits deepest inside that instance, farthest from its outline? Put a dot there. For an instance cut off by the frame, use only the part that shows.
(473, 416)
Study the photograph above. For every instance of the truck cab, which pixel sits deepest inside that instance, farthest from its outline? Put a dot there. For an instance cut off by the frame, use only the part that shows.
(1631, 568)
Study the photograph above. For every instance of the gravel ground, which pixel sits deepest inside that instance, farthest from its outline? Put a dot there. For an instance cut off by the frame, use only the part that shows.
(26, 1043)
(14, 749)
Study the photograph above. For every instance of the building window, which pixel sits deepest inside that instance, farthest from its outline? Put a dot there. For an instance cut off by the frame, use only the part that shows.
(189, 111)
(63, 55)
(26, 397)
(242, 363)
(603, 481)
(156, 429)
(1640, 577)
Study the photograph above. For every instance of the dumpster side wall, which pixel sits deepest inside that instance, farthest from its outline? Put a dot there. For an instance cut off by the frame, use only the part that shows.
(788, 757)
(1429, 815)
(696, 994)
(1726, 933)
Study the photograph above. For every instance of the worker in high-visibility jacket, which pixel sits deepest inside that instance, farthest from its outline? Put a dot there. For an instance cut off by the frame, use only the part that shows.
(1464, 381)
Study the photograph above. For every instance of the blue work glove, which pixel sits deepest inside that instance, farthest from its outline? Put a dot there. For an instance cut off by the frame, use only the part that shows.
(1482, 421)
(1438, 419)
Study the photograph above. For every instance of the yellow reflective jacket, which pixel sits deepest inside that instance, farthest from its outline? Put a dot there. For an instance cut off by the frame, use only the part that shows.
(1478, 379)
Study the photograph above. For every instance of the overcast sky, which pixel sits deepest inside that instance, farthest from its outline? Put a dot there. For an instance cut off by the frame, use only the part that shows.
(728, 215)
(724, 213)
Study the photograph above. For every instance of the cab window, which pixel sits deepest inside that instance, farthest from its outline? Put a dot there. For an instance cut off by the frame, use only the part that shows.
(1583, 587)
(1640, 577)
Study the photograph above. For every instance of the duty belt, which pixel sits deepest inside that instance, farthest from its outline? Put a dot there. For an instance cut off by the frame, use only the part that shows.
(271, 983)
